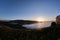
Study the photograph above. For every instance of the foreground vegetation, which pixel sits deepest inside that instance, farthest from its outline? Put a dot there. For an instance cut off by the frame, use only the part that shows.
(26, 34)
(10, 32)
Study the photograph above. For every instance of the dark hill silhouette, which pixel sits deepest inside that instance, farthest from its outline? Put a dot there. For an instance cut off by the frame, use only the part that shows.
(16, 23)
(22, 22)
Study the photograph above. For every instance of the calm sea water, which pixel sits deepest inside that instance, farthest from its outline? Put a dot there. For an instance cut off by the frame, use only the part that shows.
(38, 25)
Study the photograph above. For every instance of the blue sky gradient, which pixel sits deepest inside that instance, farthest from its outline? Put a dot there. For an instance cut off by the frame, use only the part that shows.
(29, 9)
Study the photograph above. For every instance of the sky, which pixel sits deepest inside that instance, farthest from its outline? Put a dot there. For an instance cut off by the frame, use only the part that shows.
(29, 9)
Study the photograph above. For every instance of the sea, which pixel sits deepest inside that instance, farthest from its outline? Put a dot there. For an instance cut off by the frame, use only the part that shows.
(38, 25)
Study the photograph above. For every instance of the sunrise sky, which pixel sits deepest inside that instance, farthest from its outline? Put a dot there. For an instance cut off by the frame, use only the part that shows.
(29, 9)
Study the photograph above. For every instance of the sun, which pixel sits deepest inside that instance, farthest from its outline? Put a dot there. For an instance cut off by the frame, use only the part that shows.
(40, 19)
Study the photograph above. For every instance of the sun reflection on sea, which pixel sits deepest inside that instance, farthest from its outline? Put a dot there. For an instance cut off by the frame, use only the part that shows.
(40, 25)
(43, 24)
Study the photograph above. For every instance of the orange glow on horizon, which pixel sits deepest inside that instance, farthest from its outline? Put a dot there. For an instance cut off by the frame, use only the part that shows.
(41, 19)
